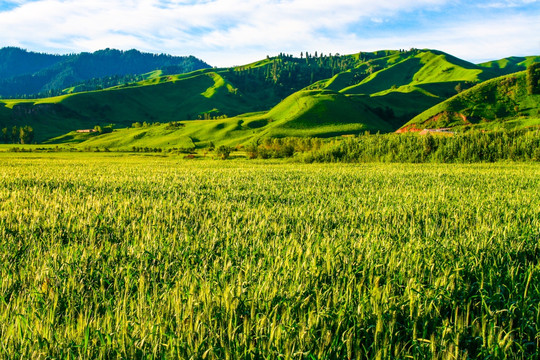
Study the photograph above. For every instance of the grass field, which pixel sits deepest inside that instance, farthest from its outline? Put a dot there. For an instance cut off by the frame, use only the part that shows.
(123, 256)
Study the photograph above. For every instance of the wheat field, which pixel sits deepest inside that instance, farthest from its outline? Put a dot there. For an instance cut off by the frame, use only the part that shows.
(120, 257)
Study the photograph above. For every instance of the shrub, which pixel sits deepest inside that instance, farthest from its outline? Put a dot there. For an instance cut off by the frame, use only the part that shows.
(223, 151)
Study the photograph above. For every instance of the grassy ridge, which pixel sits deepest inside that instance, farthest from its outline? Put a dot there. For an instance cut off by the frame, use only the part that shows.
(512, 64)
(137, 257)
(170, 98)
(306, 113)
(499, 103)
(427, 67)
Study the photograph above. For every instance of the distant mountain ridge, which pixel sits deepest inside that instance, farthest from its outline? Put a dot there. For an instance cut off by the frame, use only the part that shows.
(26, 74)
(16, 62)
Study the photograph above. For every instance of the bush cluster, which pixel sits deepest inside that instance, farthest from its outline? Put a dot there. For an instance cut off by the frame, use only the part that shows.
(277, 148)
(473, 146)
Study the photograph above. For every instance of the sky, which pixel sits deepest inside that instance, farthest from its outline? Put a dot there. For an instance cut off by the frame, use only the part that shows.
(236, 32)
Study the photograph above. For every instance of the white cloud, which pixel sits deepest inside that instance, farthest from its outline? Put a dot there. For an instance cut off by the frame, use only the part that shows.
(226, 32)
(507, 3)
(489, 39)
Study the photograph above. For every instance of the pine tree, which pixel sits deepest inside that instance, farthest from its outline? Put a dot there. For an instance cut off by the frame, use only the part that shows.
(533, 79)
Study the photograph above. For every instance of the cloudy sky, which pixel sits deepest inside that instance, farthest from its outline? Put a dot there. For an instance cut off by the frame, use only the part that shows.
(234, 32)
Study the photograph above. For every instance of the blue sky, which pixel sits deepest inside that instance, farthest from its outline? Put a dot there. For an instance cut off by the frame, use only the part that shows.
(234, 32)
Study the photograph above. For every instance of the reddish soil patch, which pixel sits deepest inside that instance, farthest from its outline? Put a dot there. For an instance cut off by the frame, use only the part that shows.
(429, 123)
(408, 128)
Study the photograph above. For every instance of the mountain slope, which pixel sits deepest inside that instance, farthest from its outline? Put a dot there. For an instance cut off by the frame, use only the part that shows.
(421, 68)
(27, 73)
(321, 95)
(318, 113)
(504, 102)
(202, 94)
(415, 82)
(399, 84)
(15, 62)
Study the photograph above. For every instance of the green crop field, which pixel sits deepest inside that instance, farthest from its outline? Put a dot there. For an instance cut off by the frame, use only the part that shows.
(125, 256)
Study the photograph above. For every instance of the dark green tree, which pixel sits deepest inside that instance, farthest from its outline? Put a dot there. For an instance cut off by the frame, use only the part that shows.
(14, 135)
(4, 136)
(26, 134)
(533, 78)
(223, 151)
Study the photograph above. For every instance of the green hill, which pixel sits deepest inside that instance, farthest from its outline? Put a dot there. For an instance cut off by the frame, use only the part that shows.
(314, 95)
(202, 94)
(414, 83)
(504, 102)
(320, 113)
(301, 114)
(323, 113)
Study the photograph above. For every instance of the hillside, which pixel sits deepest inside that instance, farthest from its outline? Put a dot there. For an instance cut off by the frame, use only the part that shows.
(417, 81)
(25, 74)
(314, 95)
(321, 113)
(399, 84)
(504, 102)
(202, 94)
(300, 115)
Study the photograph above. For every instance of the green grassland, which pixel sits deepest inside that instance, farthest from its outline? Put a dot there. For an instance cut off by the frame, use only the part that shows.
(377, 91)
(495, 104)
(423, 68)
(303, 114)
(172, 98)
(147, 77)
(122, 256)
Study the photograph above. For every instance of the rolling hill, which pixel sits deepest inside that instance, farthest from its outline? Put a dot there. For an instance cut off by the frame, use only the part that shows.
(314, 95)
(417, 82)
(504, 102)
(302, 114)
(200, 94)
